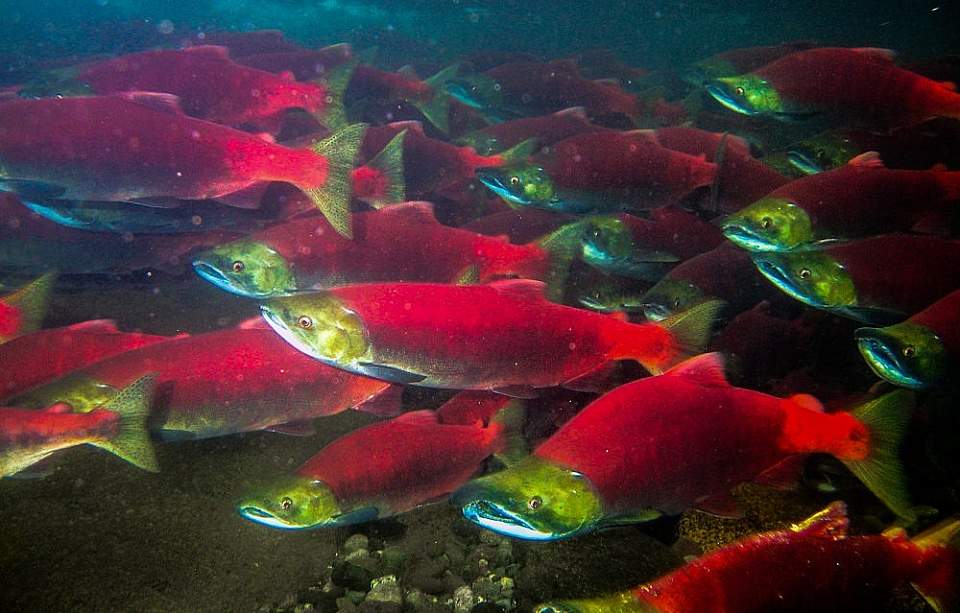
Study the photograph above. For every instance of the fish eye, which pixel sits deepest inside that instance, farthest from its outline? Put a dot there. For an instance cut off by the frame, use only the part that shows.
(805, 273)
(909, 351)
(237, 266)
(766, 222)
(286, 503)
(739, 91)
(515, 181)
(305, 322)
(534, 503)
(676, 303)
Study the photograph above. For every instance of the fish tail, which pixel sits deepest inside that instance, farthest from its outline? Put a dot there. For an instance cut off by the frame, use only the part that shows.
(334, 114)
(437, 109)
(939, 583)
(389, 164)
(561, 246)
(882, 471)
(132, 442)
(31, 302)
(333, 199)
(509, 422)
(689, 332)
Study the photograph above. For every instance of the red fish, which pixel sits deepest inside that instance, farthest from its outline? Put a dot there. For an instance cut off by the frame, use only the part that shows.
(22, 311)
(219, 383)
(665, 444)
(119, 148)
(427, 96)
(242, 44)
(403, 242)
(304, 64)
(42, 356)
(519, 225)
(862, 86)
(546, 129)
(812, 566)
(675, 231)
(740, 61)
(504, 336)
(209, 85)
(379, 470)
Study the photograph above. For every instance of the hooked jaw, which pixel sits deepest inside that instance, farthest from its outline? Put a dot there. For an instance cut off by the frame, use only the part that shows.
(744, 237)
(496, 182)
(908, 355)
(803, 162)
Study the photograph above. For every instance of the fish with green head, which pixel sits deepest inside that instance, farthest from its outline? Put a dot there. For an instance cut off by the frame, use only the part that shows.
(298, 503)
(621, 602)
(813, 277)
(770, 224)
(670, 296)
(746, 94)
(247, 268)
(523, 184)
(919, 353)
(608, 295)
(609, 244)
(824, 151)
(534, 500)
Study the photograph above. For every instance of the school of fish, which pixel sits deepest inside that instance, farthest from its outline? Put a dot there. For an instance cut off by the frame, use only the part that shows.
(697, 249)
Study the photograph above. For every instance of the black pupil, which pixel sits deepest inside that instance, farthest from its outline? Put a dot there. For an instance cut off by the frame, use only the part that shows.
(238, 266)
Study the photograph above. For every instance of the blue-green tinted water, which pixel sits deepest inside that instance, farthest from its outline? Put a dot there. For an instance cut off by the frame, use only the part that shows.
(609, 151)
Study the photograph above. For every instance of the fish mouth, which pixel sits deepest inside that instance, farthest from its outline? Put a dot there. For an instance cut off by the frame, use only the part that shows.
(803, 162)
(460, 91)
(722, 95)
(266, 518)
(595, 304)
(655, 311)
(775, 273)
(275, 321)
(492, 178)
(495, 518)
(745, 238)
(57, 215)
(209, 272)
(885, 361)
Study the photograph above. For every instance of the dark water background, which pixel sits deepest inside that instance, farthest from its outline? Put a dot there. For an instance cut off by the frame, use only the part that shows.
(102, 536)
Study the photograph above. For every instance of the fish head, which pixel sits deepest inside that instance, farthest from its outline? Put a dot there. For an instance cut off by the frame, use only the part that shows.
(533, 500)
(524, 184)
(605, 239)
(247, 268)
(670, 296)
(83, 394)
(825, 151)
(320, 326)
(906, 354)
(484, 144)
(769, 224)
(610, 298)
(746, 94)
(476, 91)
(293, 503)
(621, 602)
(812, 277)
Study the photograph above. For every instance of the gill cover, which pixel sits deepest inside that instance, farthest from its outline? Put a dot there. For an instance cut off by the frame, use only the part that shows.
(770, 224)
(246, 268)
(320, 326)
(906, 354)
(534, 500)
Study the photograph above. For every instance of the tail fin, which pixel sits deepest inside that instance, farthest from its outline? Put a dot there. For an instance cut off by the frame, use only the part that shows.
(389, 164)
(31, 302)
(511, 419)
(881, 471)
(940, 584)
(333, 199)
(691, 330)
(437, 108)
(334, 115)
(561, 246)
(132, 442)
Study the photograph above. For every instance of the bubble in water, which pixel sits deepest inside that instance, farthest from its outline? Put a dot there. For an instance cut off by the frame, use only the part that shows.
(165, 27)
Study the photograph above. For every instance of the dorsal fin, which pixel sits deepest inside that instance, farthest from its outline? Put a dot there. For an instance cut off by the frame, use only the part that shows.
(867, 159)
(644, 134)
(522, 288)
(213, 51)
(60, 407)
(416, 211)
(706, 369)
(830, 523)
(408, 71)
(577, 112)
(412, 125)
(95, 325)
(158, 101)
(425, 416)
(806, 401)
(879, 53)
(345, 50)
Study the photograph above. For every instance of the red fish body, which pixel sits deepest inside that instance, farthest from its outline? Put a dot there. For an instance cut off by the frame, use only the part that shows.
(614, 160)
(747, 59)
(812, 566)
(675, 231)
(9, 320)
(685, 438)
(504, 336)
(114, 149)
(861, 84)
(243, 44)
(33, 359)
(519, 225)
(547, 129)
(554, 86)
(219, 383)
(304, 64)
(417, 459)
(209, 85)
(943, 317)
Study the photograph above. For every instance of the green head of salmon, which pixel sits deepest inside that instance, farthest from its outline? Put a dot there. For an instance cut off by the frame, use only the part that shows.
(320, 326)
(770, 224)
(247, 268)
